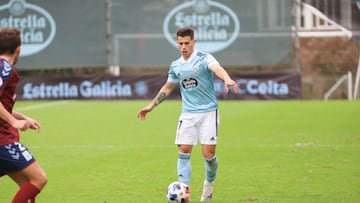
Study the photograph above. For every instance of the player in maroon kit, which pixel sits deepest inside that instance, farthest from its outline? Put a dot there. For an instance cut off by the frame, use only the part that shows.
(16, 160)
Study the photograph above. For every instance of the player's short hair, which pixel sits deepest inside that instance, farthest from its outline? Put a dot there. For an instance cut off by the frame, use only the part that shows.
(10, 39)
(184, 32)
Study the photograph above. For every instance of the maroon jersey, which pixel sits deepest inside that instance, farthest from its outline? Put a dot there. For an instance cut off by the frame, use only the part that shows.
(8, 81)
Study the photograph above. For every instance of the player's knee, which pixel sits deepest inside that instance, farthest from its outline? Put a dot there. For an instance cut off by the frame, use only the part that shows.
(186, 149)
(40, 181)
(44, 181)
(209, 154)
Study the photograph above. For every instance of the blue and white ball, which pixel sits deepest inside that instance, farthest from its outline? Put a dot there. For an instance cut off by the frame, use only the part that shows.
(178, 192)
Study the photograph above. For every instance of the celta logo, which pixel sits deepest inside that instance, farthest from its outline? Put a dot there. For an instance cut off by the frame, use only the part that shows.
(37, 26)
(215, 24)
(256, 87)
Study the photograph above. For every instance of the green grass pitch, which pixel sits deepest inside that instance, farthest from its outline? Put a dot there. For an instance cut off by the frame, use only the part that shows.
(268, 151)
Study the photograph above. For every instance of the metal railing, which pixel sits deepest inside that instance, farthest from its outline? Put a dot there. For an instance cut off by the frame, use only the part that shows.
(311, 22)
(343, 78)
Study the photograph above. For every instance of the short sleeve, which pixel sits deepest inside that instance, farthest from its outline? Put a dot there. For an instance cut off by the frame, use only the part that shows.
(210, 59)
(172, 78)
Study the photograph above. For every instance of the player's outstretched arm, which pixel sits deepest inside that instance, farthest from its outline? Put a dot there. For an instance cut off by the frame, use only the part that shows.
(165, 90)
(222, 74)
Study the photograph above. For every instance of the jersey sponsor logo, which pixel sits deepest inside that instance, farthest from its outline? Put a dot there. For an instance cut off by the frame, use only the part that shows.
(189, 83)
(37, 26)
(215, 24)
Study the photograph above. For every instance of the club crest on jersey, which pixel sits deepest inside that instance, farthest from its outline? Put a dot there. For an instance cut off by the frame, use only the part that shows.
(196, 70)
(189, 83)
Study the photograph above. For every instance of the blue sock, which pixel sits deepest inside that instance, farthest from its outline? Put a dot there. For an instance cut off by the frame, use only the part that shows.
(211, 169)
(184, 168)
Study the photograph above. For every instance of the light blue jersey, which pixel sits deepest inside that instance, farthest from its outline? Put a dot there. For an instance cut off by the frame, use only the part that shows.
(196, 82)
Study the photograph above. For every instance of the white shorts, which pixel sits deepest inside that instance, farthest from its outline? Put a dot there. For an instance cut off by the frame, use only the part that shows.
(198, 126)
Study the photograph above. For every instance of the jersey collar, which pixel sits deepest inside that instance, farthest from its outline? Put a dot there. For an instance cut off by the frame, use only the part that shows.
(191, 56)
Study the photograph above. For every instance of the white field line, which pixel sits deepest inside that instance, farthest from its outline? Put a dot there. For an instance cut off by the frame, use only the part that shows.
(304, 145)
(123, 147)
(77, 147)
(94, 146)
(43, 105)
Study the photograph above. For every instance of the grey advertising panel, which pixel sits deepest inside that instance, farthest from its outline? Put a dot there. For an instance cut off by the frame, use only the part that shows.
(246, 32)
(67, 33)
(141, 33)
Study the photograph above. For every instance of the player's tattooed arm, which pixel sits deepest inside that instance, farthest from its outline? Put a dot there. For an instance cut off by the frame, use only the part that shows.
(160, 97)
(164, 92)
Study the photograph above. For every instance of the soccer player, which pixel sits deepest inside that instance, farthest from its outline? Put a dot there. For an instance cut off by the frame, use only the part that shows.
(199, 119)
(16, 160)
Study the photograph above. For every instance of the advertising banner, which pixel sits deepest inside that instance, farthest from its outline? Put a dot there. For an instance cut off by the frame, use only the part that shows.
(57, 34)
(271, 86)
(141, 33)
(239, 33)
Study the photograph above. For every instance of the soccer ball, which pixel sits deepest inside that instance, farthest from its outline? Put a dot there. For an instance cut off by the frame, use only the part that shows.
(178, 192)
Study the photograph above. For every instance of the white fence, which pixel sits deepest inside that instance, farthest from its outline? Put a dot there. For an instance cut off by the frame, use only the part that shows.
(311, 22)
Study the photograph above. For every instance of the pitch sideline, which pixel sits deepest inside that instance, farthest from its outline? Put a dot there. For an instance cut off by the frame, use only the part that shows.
(42, 105)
